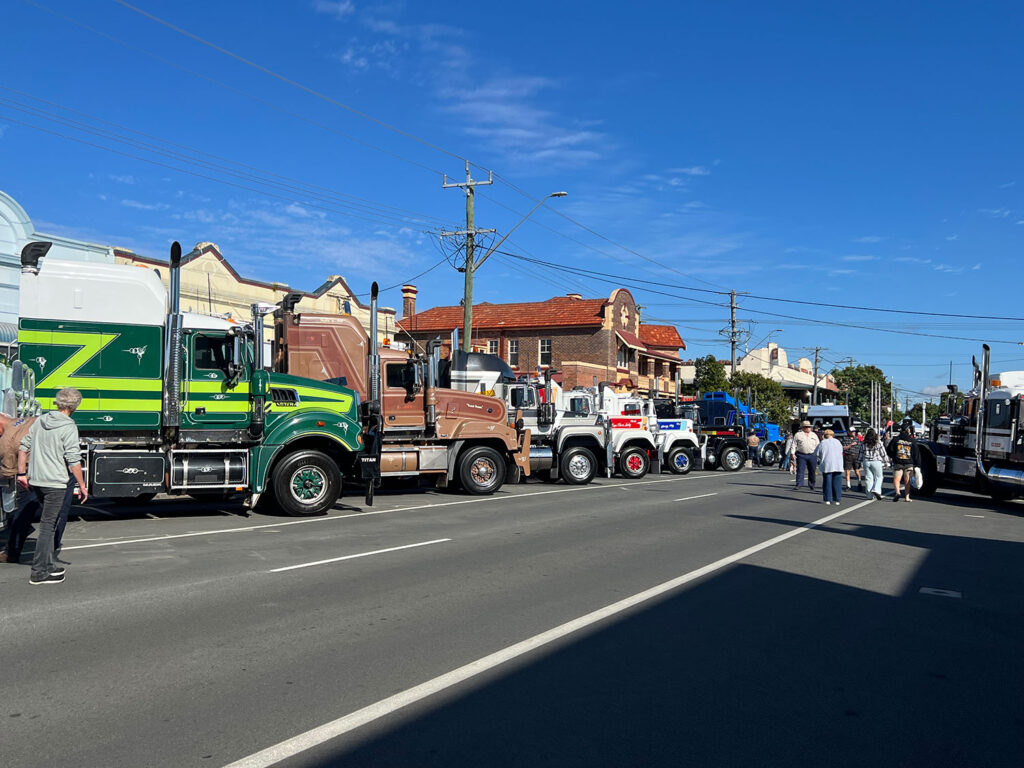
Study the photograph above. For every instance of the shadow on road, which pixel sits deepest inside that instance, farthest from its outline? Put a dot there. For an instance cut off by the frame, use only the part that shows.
(755, 667)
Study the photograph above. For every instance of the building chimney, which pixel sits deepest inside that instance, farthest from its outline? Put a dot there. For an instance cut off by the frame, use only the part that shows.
(409, 300)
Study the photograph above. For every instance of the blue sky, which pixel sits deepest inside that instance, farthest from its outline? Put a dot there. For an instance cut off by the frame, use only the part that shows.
(858, 154)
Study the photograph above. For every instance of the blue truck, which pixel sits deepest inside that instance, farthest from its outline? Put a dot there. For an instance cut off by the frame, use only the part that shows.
(721, 409)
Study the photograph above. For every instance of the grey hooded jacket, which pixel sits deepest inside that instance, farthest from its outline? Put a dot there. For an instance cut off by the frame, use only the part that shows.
(52, 443)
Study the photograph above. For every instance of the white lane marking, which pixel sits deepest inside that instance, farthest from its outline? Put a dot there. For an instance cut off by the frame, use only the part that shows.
(981, 516)
(353, 557)
(939, 592)
(701, 496)
(504, 497)
(326, 732)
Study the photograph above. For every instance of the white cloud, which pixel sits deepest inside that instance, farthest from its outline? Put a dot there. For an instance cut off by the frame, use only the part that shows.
(836, 272)
(693, 170)
(949, 268)
(126, 178)
(975, 267)
(951, 238)
(337, 8)
(869, 239)
(145, 206)
(995, 213)
(934, 389)
(913, 260)
(1008, 184)
(856, 257)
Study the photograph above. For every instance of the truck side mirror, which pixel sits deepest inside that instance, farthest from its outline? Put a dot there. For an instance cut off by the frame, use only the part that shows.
(234, 368)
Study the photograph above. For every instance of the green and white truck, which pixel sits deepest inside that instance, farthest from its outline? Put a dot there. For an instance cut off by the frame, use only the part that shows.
(179, 403)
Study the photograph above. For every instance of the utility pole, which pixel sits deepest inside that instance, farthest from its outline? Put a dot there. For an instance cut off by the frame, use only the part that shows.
(470, 234)
(734, 335)
(817, 353)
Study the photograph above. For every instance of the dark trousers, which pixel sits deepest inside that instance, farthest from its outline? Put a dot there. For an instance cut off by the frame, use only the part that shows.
(52, 500)
(806, 462)
(23, 507)
(752, 455)
(62, 521)
(832, 486)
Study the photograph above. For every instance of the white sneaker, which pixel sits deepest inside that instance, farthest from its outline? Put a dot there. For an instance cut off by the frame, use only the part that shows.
(827, 503)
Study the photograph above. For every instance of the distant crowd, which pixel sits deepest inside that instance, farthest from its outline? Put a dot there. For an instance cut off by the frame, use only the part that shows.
(808, 450)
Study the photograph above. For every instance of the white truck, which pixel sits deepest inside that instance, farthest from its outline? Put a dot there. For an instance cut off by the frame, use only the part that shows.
(678, 442)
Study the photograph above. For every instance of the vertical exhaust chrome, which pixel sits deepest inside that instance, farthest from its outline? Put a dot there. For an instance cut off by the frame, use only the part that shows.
(172, 344)
(373, 356)
(979, 431)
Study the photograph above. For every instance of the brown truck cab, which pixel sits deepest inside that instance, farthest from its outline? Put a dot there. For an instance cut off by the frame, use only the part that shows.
(425, 429)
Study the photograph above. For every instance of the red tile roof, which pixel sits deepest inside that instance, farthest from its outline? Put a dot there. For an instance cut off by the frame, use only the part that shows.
(661, 336)
(561, 311)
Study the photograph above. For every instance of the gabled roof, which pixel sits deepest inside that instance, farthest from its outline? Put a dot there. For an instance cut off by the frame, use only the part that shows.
(211, 248)
(561, 311)
(661, 336)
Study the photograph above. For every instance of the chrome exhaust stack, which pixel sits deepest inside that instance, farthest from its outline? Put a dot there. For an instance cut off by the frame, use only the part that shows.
(172, 344)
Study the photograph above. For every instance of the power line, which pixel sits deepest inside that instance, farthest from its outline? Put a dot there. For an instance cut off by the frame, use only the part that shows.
(315, 191)
(289, 81)
(817, 321)
(225, 86)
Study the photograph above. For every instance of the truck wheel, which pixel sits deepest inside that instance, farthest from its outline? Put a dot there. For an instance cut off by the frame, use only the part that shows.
(578, 466)
(731, 459)
(680, 461)
(633, 462)
(481, 470)
(770, 455)
(306, 483)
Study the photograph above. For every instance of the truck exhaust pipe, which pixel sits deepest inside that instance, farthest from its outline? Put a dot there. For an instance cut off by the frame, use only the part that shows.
(172, 344)
(373, 356)
(433, 363)
(31, 254)
(373, 423)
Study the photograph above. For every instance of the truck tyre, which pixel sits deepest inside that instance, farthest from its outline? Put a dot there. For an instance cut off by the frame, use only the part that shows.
(770, 455)
(578, 466)
(306, 483)
(731, 459)
(481, 470)
(633, 462)
(680, 461)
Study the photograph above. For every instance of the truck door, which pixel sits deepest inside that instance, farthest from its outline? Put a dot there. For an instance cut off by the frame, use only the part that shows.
(402, 392)
(211, 399)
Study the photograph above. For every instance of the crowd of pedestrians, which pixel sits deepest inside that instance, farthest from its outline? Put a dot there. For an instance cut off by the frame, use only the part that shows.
(808, 452)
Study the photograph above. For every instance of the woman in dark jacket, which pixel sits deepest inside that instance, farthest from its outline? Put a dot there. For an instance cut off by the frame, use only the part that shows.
(905, 454)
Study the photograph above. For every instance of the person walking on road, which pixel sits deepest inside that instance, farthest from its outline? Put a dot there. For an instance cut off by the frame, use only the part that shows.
(851, 460)
(830, 455)
(874, 459)
(752, 442)
(19, 505)
(787, 449)
(905, 454)
(805, 443)
(48, 452)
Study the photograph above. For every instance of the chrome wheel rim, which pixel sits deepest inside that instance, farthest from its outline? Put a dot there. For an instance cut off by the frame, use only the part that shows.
(308, 484)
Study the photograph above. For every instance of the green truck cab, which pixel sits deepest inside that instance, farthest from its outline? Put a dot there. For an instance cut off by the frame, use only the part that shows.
(179, 403)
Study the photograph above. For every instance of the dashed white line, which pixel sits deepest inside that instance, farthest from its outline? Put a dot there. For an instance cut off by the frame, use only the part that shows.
(384, 707)
(701, 496)
(353, 557)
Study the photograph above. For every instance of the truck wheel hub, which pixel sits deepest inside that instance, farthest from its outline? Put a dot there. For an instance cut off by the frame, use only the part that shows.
(308, 484)
(579, 466)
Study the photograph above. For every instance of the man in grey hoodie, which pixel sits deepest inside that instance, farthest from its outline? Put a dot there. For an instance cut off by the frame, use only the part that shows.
(46, 454)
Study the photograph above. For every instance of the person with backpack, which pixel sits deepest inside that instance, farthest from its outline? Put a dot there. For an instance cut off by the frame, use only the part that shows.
(851, 459)
(905, 454)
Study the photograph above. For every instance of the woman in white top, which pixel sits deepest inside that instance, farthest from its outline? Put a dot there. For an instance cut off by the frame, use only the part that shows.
(830, 459)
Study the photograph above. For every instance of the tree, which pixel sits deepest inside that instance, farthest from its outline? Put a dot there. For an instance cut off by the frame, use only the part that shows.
(709, 375)
(932, 410)
(766, 395)
(854, 382)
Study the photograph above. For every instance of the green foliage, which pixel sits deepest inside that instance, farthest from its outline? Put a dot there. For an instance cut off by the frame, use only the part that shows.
(855, 384)
(709, 375)
(933, 411)
(766, 395)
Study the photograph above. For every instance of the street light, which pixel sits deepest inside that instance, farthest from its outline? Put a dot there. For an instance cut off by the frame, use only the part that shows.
(770, 333)
(471, 267)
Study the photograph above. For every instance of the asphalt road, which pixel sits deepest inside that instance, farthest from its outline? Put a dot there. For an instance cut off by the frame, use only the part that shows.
(693, 621)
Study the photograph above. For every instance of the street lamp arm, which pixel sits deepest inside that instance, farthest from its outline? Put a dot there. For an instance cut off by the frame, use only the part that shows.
(497, 245)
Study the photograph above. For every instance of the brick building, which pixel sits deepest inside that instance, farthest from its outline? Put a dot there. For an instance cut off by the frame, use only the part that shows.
(585, 340)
